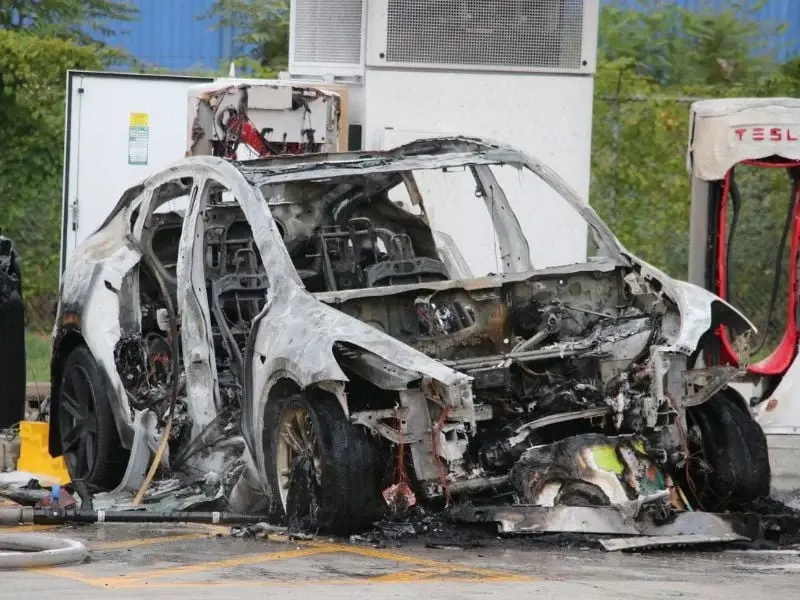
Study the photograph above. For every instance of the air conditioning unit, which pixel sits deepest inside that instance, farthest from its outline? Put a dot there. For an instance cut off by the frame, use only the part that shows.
(327, 37)
(555, 36)
(339, 37)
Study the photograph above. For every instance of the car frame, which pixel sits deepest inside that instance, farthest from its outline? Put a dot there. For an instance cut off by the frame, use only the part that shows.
(320, 410)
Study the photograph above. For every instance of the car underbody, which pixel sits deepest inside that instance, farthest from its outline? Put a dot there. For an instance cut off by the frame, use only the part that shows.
(304, 345)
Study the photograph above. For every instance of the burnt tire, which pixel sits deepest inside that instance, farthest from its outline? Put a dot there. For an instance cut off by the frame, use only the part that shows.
(335, 488)
(735, 468)
(89, 438)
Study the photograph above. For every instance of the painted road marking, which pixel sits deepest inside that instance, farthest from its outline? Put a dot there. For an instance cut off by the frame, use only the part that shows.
(427, 570)
(26, 528)
(165, 539)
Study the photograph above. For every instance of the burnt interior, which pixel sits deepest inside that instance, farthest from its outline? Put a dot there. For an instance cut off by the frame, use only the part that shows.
(348, 234)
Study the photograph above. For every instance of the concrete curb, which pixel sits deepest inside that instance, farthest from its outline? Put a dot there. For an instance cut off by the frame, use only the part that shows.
(37, 390)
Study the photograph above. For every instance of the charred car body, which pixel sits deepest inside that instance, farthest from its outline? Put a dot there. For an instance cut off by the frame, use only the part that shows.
(286, 324)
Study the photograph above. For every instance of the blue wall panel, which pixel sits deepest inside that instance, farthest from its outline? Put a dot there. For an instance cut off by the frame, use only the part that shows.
(774, 12)
(169, 35)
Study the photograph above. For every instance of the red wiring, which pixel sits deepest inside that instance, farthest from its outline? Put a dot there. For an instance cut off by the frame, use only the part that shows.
(435, 446)
(401, 475)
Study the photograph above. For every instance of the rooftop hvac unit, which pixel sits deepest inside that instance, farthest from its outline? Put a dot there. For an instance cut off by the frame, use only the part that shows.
(338, 37)
(556, 36)
(327, 37)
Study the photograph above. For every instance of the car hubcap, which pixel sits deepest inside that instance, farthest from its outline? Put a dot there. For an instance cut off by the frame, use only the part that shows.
(78, 422)
(297, 439)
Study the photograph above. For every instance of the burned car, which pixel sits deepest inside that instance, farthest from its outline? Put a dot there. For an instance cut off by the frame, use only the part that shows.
(298, 330)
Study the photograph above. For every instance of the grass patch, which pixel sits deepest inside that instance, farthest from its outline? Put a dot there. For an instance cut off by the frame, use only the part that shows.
(37, 359)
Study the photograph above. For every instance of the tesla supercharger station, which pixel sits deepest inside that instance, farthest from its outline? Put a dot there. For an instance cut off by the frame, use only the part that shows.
(516, 71)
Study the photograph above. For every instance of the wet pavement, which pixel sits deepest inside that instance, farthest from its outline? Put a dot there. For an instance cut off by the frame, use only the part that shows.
(135, 561)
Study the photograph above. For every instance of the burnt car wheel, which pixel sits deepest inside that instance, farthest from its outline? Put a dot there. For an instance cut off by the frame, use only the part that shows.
(322, 468)
(89, 438)
(729, 461)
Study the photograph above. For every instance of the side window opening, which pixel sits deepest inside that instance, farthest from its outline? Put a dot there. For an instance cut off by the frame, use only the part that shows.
(557, 234)
(457, 213)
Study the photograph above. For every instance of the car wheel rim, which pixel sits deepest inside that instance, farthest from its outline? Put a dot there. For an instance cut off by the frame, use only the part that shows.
(297, 438)
(78, 422)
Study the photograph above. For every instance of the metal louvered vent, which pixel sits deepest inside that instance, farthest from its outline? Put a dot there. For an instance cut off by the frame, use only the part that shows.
(327, 32)
(532, 34)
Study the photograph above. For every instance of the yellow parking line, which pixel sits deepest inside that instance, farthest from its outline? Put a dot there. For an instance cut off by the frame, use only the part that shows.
(25, 528)
(428, 570)
(408, 576)
(220, 564)
(68, 574)
(427, 562)
(134, 579)
(164, 539)
(122, 583)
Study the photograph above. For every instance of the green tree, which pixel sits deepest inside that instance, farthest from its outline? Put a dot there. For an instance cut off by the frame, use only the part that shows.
(262, 32)
(652, 66)
(81, 20)
(32, 81)
(39, 41)
(677, 46)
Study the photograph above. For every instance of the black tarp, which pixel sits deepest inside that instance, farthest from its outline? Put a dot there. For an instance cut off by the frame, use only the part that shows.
(12, 337)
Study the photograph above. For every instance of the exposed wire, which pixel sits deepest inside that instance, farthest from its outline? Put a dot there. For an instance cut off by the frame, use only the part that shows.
(435, 446)
(684, 435)
(401, 474)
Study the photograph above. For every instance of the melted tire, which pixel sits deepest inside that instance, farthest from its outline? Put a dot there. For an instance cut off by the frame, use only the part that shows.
(344, 498)
(111, 458)
(735, 448)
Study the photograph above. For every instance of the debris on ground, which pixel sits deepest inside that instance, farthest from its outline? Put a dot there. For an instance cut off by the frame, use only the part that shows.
(769, 524)
(666, 541)
(32, 493)
(259, 530)
(178, 494)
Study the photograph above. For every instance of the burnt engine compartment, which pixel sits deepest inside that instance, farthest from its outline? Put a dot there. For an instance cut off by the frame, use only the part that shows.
(550, 357)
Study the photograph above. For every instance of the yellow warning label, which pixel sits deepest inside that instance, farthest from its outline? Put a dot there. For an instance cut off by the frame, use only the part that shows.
(139, 120)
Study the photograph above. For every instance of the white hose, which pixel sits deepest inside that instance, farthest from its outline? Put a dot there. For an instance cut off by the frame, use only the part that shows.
(29, 550)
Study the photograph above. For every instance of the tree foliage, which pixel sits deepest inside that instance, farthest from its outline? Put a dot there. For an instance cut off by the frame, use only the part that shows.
(653, 65)
(647, 77)
(674, 45)
(261, 33)
(32, 82)
(81, 20)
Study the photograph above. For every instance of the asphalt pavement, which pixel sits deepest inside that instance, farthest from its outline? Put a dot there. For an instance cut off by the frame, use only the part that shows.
(188, 562)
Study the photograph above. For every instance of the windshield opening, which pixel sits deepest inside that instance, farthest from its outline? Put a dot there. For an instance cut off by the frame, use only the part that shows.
(406, 227)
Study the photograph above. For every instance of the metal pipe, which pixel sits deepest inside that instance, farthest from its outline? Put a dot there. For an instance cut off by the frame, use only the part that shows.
(62, 516)
(542, 354)
(477, 485)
